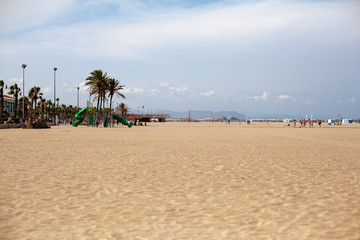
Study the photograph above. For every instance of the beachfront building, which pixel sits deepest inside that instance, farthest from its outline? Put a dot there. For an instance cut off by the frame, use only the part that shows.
(9, 105)
(345, 121)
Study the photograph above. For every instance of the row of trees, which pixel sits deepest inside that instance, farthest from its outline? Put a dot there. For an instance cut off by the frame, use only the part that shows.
(35, 105)
(101, 86)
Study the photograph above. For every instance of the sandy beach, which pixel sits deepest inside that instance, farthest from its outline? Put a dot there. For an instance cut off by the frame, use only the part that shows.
(181, 181)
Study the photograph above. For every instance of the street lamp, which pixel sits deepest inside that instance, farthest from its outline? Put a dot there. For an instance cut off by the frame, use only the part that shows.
(78, 97)
(23, 108)
(54, 94)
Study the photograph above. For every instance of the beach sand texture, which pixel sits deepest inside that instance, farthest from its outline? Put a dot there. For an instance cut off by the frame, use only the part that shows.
(181, 181)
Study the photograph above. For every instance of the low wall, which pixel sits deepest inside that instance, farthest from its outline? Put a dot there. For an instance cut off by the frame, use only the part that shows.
(5, 126)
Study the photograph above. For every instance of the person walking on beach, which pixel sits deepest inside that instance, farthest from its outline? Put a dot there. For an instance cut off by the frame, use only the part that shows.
(294, 123)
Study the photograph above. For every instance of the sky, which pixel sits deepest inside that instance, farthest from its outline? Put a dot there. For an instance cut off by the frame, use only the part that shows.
(261, 57)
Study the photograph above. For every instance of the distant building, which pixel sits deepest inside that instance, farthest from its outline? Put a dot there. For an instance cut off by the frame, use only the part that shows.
(346, 121)
(9, 105)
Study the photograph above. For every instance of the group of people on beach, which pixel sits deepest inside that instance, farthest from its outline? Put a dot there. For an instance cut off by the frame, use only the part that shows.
(10, 121)
(310, 122)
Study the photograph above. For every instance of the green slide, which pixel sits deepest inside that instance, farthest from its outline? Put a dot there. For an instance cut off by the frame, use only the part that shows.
(106, 122)
(79, 117)
(119, 119)
(91, 120)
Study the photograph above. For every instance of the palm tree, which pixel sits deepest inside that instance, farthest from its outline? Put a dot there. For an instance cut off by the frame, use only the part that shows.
(42, 105)
(26, 104)
(123, 108)
(68, 111)
(114, 88)
(97, 82)
(1, 99)
(49, 106)
(14, 90)
(34, 95)
(55, 108)
(63, 111)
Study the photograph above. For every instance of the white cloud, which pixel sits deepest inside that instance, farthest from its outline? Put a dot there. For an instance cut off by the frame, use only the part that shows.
(265, 96)
(132, 90)
(181, 89)
(164, 91)
(19, 14)
(207, 94)
(339, 101)
(285, 97)
(158, 28)
(84, 89)
(46, 90)
(351, 100)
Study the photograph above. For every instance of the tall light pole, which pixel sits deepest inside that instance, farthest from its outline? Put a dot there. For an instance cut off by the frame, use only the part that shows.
(54, 93)
(23, 107)
(78, 97)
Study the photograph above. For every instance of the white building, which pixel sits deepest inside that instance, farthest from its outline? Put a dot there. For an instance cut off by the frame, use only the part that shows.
(345, 121)
(9, 105)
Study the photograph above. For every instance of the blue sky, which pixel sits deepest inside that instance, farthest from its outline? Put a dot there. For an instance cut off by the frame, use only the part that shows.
(253, 57)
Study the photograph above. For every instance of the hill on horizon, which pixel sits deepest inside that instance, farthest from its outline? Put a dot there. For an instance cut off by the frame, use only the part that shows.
(205, 114)
(217, 114)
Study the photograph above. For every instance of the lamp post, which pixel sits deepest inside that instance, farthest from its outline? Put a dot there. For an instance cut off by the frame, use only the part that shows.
(78, 97)
(54, 95)
(23, 107)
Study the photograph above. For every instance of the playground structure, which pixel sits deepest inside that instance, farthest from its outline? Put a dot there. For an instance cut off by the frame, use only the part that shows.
(119, 119)
(80, 118)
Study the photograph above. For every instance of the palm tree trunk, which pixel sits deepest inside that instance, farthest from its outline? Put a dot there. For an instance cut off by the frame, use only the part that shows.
(98, 102)
(35, 107)
(111, 96)
(16, 103)
(104, 101)
(42, 113)
(32, 107)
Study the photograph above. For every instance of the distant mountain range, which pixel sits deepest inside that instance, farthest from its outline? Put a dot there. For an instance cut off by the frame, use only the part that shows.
(205, 114)
(211, 114)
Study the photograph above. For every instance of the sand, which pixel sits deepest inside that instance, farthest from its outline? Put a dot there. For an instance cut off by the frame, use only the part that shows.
(181, 181)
